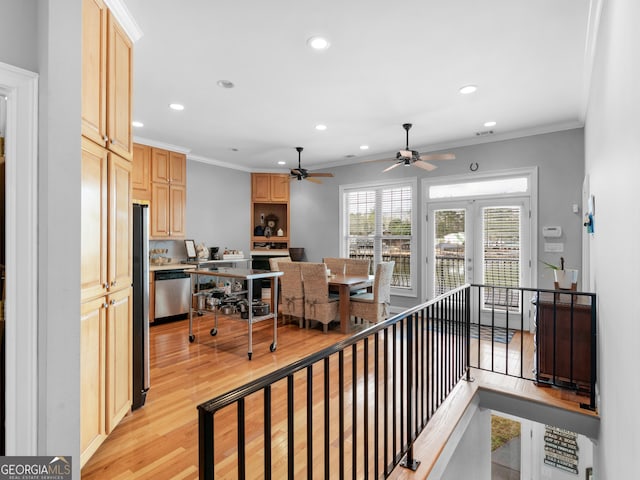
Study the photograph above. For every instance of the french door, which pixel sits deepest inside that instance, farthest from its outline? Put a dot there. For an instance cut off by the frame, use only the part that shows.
(485, 242)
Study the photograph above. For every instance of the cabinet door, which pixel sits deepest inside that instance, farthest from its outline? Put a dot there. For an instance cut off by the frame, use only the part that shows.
(177, 168)
(178, 196)
(94, 70)
(119, 357)
(119, 90)
(160, 165)
(279, 188)
(141, 173)
(120, 227)
(260, 187)
(159, 210)
(93, 221)
(92, 377)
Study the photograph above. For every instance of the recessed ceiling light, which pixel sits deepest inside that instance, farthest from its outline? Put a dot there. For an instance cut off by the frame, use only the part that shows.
(234, 149)
(321, 127)
(364, 147)
(176, 106)
(137, 124)
(318, 43)
(225, 84)
(467, 89)
(490, 124)
(282, 162)
(349, 156)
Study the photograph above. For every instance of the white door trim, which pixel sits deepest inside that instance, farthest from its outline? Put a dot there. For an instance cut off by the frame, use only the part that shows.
(21, 270)
(530, 172)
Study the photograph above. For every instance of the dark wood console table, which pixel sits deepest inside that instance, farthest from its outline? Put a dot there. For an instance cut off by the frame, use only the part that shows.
(570, 345)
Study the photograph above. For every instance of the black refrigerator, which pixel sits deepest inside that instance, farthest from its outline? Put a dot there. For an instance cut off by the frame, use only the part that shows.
(140, 255)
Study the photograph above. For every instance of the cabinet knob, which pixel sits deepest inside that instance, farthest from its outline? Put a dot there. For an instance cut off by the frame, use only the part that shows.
(105, 138)
(105, 285)
(113, 283)
(111, 140)
(105, 305)
(112, 302)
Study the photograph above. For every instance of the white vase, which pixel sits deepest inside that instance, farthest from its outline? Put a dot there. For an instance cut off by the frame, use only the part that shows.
(566, 279)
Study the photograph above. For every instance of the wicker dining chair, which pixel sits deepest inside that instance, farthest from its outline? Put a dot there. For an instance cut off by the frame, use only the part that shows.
(274, 261)
(291, 292)
(357, 266)
(318, 305)
(374, 307)
(335, 264)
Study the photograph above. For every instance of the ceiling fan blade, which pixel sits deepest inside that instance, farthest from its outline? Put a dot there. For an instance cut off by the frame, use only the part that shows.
(406, 153)
(314, 180)
(392, 166)
(426, 165)
(320, 175)
(437, 156)
(296, 172)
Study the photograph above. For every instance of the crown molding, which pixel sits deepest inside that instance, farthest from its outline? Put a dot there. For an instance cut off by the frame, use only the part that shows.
(590, 44)
(217, 163)
(125, 19)
(163, 145)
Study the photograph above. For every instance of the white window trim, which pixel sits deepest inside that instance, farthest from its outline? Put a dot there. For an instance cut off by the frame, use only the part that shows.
(530, 172)
(413, 184)
(21, 305)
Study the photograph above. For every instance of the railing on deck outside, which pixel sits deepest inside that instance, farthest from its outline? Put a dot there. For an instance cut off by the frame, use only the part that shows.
(410, 363)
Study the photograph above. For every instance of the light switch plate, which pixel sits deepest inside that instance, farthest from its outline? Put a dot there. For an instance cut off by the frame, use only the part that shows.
(554, 247)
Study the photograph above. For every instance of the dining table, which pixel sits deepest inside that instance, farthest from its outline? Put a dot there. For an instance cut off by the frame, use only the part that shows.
(345, 284)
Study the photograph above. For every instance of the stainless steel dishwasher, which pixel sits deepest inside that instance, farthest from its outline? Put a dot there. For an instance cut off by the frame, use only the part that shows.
(173, 293)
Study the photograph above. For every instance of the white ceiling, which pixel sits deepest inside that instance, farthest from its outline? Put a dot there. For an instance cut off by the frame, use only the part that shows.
(390, 62)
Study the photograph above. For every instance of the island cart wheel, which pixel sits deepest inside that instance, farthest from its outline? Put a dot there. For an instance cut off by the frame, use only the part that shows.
(191, 338)
(214, 332)
(272, 347)
(249, 355)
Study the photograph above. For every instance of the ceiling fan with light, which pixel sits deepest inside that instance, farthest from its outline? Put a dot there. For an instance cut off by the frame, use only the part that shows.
(411, 157)
(303, 174)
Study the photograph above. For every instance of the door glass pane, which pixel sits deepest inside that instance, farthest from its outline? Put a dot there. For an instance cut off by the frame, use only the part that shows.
(501, 255)
(449, 245)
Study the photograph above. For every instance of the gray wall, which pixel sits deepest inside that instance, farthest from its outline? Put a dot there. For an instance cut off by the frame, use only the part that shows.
(19, 33)
(315, 214)
(472, 457)
(218, 206)
(612, 146)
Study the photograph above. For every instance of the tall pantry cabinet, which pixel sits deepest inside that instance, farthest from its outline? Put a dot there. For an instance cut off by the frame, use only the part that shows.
(106, 228)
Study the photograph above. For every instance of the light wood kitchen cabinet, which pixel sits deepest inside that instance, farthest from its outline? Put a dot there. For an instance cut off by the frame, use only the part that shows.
(106, 232)
(93, 224)
(141, 173)
(270, 197)
(106, 229)
(119, 357)
(105, 367)
(168, 167)
(168, 194)
(92, 377)
(269, 187)
(107, 56)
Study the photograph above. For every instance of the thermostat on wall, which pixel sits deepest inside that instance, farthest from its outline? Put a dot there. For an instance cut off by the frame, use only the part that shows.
(551, 232)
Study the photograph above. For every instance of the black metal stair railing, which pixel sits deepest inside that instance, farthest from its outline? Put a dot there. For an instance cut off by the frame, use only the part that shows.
(351, 410)
(356, 408)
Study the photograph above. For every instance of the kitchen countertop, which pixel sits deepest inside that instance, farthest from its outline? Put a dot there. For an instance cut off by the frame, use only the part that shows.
(171, 266)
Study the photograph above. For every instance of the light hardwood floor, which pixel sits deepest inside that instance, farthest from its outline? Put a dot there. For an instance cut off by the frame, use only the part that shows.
(160, 440)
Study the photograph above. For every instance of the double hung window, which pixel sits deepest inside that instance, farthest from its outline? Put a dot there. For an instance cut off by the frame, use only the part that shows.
(378, 222)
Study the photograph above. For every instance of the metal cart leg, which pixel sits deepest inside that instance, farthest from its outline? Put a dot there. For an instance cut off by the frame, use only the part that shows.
(250, 319)
(192, 337)
(274, 286)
